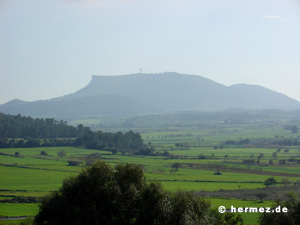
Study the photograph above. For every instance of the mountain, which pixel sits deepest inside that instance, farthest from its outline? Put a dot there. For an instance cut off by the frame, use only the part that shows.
(148, 93)
(87, 105)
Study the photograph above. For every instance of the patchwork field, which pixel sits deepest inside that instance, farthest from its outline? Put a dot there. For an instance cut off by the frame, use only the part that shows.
(204, 164)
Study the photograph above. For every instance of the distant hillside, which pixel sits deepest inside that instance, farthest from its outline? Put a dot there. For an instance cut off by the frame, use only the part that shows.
(87, 105)
(148, 93)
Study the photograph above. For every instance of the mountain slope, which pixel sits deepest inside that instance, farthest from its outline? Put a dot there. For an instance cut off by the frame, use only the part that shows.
(148, 93)
(88, 105)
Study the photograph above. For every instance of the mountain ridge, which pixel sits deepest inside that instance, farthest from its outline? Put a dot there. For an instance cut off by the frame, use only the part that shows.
(151, 93)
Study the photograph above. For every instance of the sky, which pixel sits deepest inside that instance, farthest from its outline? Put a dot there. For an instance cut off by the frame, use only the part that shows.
(52, 48)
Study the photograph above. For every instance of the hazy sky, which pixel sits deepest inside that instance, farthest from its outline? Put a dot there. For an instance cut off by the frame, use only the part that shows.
(49, 48)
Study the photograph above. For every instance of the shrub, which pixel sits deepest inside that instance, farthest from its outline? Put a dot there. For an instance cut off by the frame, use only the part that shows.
(282, 161)
(73, 163)
(218, 173)
(27, 221)
(201, 156)
(44, 153)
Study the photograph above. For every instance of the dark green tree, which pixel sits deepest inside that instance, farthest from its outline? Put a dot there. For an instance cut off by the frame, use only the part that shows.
(104, 195)
(270, 181)
(61, 153)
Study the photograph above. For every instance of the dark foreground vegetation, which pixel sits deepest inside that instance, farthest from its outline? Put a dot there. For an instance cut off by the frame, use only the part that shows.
(102, 194)
(292, 217)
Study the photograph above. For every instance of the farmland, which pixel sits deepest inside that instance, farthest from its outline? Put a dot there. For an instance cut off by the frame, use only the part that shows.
(191, 158)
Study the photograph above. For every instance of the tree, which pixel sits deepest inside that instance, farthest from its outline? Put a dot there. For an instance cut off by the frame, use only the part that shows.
(201, 156)
(294, 129)
(261, 195)
(61, 153)
(176, 166)
(286, 181)
(166, 153)
(44, 153)
(17, 153)
(105, 195)
(270, 181)
(282, 161)
(114, 151)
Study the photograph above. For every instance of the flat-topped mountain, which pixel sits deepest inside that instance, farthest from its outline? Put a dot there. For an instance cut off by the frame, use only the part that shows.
(148, 93)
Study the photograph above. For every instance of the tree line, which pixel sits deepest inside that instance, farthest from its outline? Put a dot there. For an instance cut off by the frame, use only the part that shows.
(21, 127)
(34, 142)
(116, 142)
(129, 142)
(26, 132)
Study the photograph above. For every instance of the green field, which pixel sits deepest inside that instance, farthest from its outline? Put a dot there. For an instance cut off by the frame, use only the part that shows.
(35, 175)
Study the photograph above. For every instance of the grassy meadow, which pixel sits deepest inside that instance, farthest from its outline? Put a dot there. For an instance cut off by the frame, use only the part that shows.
(34, 175)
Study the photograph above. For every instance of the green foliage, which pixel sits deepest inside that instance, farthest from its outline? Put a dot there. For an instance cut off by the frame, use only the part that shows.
(102, 194)
(291, 217)
(44, 153)
(270, 181)
(27, 221)
(201, 156)
(21, 127)
(128, 141)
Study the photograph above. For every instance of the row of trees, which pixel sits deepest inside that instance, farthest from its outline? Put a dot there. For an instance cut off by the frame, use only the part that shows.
(264, 142)
(33, 142)
(115, 142)
(240, 142)
(126, 142)
(20, 127)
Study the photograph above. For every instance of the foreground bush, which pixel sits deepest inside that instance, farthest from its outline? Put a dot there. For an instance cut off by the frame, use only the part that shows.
(103, 195)
(292, 217)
